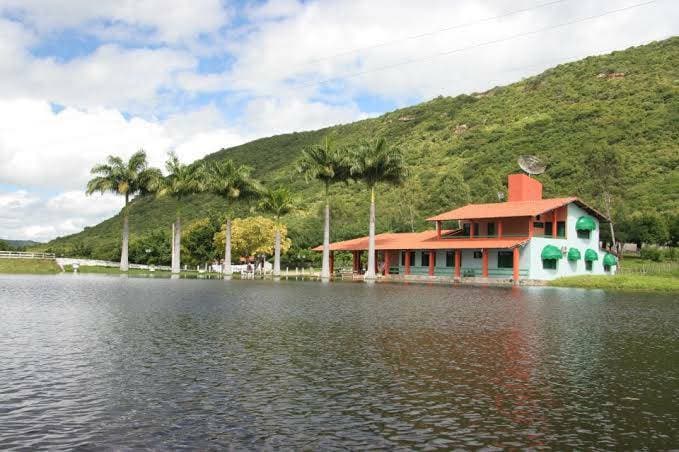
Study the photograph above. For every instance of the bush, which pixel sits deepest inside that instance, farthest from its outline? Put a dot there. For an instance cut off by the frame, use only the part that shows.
(652, 253)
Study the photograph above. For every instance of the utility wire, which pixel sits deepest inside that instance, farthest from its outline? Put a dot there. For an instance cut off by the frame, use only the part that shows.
(431, 33)
(475, 46)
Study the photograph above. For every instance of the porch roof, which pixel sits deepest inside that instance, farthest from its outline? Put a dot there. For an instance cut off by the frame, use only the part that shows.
(426, 240)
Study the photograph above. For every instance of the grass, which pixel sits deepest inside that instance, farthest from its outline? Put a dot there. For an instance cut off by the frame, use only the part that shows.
(29, 266)
(636, 283)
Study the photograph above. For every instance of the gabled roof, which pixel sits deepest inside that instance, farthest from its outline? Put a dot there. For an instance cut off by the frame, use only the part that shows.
(512, 209)
(426, 240)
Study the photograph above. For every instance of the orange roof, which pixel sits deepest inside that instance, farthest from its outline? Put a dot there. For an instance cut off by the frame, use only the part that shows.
(511, 209)
(426, 240)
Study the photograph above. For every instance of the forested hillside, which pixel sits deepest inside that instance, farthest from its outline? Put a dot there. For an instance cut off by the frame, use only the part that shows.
(460, 149)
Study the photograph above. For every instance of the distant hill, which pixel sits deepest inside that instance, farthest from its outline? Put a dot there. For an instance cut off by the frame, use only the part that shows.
(20, 243)
(460, 149)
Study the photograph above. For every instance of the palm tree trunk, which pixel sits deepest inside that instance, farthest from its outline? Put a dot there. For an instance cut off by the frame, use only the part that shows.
(370, 272)
(176, 257)
(124, 259)
(277, 254)
(227, 271)
(325, 267)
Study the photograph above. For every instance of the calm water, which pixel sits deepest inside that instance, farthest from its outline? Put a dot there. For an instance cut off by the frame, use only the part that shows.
(98, 361)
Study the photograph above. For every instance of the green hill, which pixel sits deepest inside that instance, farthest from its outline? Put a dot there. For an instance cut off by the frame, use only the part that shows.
(461, 149)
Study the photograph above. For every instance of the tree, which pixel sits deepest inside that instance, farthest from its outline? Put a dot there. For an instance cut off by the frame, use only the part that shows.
(183, 180)
(4, 246)
(127, 179)
(230, 181)
(646, 228)
(326, 164)
(278, 202)
(605, 167)
(374, 162)
(197, 241)
(673, 226)
(253, 236)
(153, 248)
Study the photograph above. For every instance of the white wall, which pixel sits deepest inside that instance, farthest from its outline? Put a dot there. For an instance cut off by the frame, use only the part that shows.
(563, 266)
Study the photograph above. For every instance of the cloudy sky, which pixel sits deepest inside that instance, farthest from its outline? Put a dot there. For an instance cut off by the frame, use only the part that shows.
(80, 79)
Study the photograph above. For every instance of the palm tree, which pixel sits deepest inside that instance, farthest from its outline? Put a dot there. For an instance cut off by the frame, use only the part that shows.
(230, 181)
(127, 179)
(374, 162)
(182, 180)
(278, 202)
(328, 165)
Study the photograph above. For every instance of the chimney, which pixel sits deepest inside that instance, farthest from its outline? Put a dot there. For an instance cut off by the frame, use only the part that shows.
(523, 188)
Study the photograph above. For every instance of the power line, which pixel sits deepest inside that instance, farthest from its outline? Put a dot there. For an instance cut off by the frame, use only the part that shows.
(475, 46)
(431, 33)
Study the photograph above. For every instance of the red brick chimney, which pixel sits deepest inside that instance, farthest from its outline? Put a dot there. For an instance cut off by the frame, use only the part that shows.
(523, 188)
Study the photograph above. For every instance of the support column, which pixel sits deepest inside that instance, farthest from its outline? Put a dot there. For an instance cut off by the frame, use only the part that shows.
(407, 270)
(484, 268)
(376, 264)
(515, 265)
(438, 229)
(387, 262)
(471, 230)
(554, 228)
(458, 263)
(499, 229)
(530, 226)
(332, 263)
(432, 262)
(353, 261)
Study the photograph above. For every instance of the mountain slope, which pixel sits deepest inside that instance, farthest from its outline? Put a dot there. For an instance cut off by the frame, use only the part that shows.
(460, 149)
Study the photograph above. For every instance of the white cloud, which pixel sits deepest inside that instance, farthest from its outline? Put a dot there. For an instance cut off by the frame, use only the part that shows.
(166, 20)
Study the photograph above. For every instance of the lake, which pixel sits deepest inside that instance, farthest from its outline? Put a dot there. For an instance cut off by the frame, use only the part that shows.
(108, 362)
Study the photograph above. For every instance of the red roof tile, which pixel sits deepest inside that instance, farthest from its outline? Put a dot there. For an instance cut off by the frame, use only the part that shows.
(510, 209)
(426, 240)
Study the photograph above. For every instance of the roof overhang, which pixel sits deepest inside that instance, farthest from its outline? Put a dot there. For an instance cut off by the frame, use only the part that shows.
(425, 241)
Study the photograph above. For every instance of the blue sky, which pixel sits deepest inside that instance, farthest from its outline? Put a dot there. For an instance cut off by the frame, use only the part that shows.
(80, 80)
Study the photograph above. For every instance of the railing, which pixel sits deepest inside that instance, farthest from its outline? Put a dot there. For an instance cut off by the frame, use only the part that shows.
(25, 255)
(475, 236)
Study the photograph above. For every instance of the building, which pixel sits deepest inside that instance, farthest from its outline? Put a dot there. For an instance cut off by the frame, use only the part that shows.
(525, 238)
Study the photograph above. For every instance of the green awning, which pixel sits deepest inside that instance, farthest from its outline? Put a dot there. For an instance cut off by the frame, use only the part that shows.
(551, 252)
(574, 254)
(585, 223)
(610, 260)
(591, 255)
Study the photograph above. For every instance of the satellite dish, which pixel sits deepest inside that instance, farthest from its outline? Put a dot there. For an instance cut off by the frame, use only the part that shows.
(532, 165)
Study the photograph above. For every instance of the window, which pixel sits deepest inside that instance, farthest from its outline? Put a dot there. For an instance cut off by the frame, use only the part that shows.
(549, 264)
(424, 259)
(583, 234)
(561, 229)
(538, 225)
(588, 266)
(450, 258)
(476, 229)
(505, 259)
(607, 268)
(548, 228)
(478, 254)
(466, 229)
(403, 258)
(491, 229)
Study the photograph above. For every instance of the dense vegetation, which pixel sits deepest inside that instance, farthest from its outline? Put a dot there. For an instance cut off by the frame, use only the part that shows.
(460, 149)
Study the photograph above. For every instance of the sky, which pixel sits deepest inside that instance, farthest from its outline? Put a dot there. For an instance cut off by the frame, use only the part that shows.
(80, 80)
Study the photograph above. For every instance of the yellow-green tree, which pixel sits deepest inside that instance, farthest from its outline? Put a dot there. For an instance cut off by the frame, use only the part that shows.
(254, 236)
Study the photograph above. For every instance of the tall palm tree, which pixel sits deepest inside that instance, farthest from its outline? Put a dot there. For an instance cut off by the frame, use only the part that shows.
(127, 179)
(182, 180)
(230, 181)
(328, 165)
(278, 202)
(374, 162)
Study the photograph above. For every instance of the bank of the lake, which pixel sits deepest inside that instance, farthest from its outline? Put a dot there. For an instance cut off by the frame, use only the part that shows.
(650, 283)
(29, 266)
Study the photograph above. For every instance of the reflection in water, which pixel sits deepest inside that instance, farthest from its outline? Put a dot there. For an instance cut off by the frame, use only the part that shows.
(103, 362)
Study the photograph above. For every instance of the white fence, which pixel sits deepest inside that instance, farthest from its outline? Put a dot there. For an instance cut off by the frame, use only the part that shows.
(25, 255)
(62, 261)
